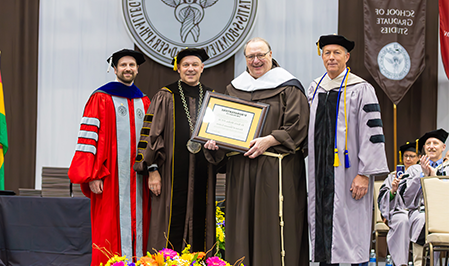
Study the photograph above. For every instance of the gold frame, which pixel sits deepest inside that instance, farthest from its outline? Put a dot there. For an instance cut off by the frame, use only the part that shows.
(258, 111)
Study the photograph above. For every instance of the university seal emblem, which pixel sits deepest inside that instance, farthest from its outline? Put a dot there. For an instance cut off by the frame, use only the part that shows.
(140, 113)
(122, 110)
(394, 61)
(161, 28)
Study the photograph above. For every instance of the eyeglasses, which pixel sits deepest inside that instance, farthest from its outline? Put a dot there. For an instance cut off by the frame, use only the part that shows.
(410, 156)
(253, 56)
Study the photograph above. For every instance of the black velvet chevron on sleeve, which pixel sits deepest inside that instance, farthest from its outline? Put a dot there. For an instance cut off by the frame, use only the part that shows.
(375, 123)
(142, 144)
(145, 131)
(148, 118)
(377, 138)
(372, 107)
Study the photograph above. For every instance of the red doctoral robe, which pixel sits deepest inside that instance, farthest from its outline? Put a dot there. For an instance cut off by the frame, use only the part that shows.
(106, 150)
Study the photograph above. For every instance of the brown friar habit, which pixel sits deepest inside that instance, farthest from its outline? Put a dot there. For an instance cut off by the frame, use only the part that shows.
(184, 212)
(252, 202)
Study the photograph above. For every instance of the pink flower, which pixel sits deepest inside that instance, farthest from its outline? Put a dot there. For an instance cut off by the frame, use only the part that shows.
(168, 253)
(119, 263)
(215, 261)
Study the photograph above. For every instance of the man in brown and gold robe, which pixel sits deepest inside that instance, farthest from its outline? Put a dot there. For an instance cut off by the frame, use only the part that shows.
(254, 228)
(181, 180)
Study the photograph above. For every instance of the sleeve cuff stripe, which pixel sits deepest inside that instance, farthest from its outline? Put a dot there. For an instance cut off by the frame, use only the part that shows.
(148, 118)
(90, 121)
(86, 148)
(142, 144)
(372, 107)
(377, 138)
(375, 123)
(88, 135)
(139, 158)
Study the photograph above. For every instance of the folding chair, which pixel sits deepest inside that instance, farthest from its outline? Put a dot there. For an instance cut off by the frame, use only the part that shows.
(380, 229)
(436, 199)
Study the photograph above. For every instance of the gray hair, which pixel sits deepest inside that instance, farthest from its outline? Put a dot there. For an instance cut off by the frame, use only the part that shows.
(257, 39)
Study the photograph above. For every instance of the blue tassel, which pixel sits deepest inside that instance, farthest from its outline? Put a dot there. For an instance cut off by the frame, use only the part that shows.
(347, 160)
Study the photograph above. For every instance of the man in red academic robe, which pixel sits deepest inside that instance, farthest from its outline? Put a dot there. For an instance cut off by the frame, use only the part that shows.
(104, 158)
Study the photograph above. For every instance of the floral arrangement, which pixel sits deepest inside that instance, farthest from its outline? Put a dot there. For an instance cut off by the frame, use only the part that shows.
(169, 257)
(220, 231)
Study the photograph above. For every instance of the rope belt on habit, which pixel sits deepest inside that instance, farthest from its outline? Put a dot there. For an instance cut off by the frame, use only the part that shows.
(280, 194)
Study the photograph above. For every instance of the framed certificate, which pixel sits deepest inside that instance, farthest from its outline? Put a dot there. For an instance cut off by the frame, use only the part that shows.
(230, 121)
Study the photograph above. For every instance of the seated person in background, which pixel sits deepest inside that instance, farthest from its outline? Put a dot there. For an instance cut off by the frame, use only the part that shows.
(432, 143)
(393, 209)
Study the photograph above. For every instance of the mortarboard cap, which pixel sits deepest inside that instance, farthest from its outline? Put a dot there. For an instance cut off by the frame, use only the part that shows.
(334, 39)
(114, 58)
(409, 146)
(199, 52)
(440, 134)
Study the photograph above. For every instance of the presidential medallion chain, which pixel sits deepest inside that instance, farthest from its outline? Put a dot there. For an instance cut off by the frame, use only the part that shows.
(193, 147)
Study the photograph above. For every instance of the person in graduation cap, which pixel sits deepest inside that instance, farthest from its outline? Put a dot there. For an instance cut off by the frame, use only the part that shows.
(103, 160)
(182, 182)
(433, 145)
(393, 208)
(346, 150)
(254, 228)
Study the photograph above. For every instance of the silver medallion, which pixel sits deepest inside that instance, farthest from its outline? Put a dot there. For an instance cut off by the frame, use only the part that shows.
(193, 147)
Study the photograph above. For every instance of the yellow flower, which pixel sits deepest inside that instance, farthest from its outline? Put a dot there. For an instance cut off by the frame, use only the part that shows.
(220, 235)
(187, 257)
(114, 259)
(219, 215)
(187, 249)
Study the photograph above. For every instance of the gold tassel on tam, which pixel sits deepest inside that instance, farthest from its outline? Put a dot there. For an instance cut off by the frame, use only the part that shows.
(336, 158)
(318, 48)
(417, 146)
(175, 67)
(400, 157)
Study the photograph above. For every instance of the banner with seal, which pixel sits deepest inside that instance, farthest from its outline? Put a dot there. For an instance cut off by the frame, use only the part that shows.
(394, 40)
(161, 28)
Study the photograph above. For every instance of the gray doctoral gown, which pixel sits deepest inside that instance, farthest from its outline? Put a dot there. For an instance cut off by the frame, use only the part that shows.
(411, 190)
(340, 225)
(397, 216)
(414, 199)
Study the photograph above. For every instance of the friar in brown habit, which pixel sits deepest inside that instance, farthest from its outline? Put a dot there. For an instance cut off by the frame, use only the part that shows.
(258, 226)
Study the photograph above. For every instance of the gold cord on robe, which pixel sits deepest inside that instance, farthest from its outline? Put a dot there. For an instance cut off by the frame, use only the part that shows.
(280, 194)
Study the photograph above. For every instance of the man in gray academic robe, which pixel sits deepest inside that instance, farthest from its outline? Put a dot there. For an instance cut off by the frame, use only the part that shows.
(433, 144)
(346, 150)
(393, 208)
